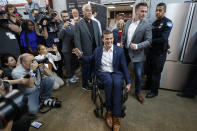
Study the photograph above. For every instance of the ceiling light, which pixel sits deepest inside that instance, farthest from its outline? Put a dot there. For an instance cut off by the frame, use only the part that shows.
(111, 7)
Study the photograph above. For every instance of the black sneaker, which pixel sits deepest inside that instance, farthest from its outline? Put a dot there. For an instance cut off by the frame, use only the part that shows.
(86, 88)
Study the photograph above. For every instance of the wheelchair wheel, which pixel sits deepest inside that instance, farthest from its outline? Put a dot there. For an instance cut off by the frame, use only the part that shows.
(96, 112)
(94, 93)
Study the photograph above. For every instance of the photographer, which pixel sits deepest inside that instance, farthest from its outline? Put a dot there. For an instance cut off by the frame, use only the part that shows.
(14, 18)
(51, 27)
(18, 123)
(48, 59)
(7, 37)
(66, 34)
(40, 84)
(29, 7)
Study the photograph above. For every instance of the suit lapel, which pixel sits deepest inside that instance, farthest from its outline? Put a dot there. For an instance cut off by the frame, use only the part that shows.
(86, 27)
(99, 56)
(114, 55)
(127, 28)
(94, 27)
(137, 29)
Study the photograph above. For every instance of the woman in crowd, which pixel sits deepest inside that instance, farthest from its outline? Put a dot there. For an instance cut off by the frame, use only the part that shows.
(29, 39)
(118, 33)
(8, 62)
(43, 53)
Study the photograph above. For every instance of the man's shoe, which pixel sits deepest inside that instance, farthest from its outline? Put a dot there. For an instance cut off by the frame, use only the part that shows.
(116, 123)
(86, 88)
(151, 95)
(184, 95)
(139, 98)
(108, 118)
(72, 80)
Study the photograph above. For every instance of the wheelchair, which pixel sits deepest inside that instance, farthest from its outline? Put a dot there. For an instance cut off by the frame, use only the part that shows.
(100, 104)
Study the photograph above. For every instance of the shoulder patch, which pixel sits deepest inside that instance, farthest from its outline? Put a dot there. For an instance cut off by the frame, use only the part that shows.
(169, 24)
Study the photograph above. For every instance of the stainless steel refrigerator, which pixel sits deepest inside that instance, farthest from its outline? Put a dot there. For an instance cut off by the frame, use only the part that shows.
(180, 70)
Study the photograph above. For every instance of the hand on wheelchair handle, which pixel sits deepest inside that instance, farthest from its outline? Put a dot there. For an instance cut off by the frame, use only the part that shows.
(128, 86)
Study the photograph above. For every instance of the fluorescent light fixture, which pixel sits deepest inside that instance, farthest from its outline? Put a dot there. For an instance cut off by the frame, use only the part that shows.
(111, 7)
(131, 5)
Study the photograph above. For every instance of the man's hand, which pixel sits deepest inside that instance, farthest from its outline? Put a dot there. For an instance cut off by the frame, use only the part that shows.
(54, 48)
(133, 46)
(66, 24)
(77, 52)
(121, 45)
(128, 86)
(44, 23)
(34, 65)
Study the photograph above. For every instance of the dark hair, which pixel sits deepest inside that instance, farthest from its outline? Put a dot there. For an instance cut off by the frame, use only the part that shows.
(107, 32)
(140, 4)
(8, 6)
(63, 11)
(39, 46)
(4, 59)
(162, 4)
(34, 10)
(94, 9)
(25, 24)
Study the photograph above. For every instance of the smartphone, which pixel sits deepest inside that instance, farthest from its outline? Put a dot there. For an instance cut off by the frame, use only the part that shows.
(27, 76)
(36, 124)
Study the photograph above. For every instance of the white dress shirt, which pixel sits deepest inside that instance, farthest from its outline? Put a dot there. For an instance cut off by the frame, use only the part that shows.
(99, 24)
(131, 31)
(107, 60)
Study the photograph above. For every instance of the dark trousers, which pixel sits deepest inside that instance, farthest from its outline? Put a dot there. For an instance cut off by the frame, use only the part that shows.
(86, 73)
(155, 64)
(138, 69)
(68, 64)
(112, 83)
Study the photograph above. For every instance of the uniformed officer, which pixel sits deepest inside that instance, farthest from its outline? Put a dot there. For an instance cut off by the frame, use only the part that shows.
(156, 58)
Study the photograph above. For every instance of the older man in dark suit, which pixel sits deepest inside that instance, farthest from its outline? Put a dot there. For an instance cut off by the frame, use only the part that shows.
(137, 35)
(87, 38)
(110, 67)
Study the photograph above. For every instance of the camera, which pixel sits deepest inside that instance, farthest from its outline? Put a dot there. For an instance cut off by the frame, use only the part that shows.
(52, 103)
(12, 107)
(45, 60)
(41, 16)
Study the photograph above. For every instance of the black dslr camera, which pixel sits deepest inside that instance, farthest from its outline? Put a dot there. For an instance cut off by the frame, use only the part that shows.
(42, 61)
(41, 16)
(12, 107)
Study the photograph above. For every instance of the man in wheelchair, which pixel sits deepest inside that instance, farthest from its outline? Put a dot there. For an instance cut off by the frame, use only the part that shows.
(110, 68)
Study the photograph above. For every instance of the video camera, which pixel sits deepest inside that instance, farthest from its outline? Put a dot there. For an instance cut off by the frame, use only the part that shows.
(12, 107)
(41, 16)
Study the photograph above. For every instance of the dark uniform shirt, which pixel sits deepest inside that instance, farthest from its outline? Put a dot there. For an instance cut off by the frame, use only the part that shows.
(161, 29)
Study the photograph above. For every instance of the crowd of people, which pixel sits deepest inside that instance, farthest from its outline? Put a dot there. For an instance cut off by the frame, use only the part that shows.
(47, 42)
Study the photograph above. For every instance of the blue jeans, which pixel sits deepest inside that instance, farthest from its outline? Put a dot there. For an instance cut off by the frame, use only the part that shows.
(40, 94)
(138, 68)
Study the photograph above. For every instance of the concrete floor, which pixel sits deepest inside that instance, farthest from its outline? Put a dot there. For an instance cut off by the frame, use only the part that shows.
(166, 112)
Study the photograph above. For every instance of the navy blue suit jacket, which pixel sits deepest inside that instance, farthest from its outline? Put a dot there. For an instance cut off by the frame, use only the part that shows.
(119, 61)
